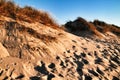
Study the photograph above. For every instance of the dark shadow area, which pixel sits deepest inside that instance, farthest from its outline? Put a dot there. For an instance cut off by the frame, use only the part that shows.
(77, 56)
(98, 60)
(1, 72)
(99, 71)
(83, 54)
(112, 65)
(85, 61)
(87, 77)
(79, 67)
(93, 72)
(35, 78)
(20, 76)
(6, 78)
(62, 64)
(50, 76)
(42, 69)
(115, 78)
(52, 65)
(115, 59)
(60, 75)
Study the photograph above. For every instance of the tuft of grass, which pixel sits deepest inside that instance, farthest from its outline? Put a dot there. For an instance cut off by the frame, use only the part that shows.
(10, 9)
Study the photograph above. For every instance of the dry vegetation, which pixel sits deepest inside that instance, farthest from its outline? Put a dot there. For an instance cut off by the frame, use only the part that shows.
(104, 27)
(10, 9)
(80, 25)
(27, 31)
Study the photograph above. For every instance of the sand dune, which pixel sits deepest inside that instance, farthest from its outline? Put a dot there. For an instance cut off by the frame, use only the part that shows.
(39, 52)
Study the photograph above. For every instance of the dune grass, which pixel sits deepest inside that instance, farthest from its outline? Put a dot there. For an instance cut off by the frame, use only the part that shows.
(29, 14)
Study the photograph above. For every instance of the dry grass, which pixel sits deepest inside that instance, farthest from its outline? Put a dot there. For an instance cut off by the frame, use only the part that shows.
(80, 25)
(106, 27)
(28, 14)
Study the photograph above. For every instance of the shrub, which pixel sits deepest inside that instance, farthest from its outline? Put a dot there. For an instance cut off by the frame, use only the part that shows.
(79, 24)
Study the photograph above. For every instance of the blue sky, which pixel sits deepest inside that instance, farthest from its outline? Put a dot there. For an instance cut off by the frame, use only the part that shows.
(65, 10)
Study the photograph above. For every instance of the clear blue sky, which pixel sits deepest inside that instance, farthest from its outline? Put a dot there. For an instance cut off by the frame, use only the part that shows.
(65, 10)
